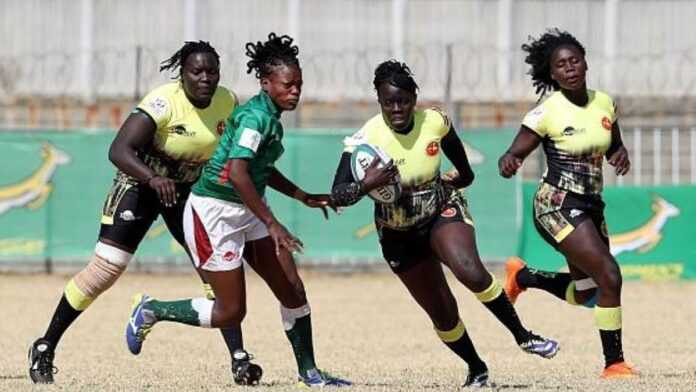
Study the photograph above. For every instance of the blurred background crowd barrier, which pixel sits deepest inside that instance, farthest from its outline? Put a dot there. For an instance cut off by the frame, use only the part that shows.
(71, 70)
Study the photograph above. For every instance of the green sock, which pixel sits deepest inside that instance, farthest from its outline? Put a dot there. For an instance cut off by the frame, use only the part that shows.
(196, 311)
(298, 329)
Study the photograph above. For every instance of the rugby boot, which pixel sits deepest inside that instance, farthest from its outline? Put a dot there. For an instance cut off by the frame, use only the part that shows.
(244, 372)
(513, 265)
(540, 346)
(41, 369)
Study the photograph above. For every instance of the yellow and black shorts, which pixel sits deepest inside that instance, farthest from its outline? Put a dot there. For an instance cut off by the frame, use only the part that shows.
(130, 209)
(558, 212)
(404, 248)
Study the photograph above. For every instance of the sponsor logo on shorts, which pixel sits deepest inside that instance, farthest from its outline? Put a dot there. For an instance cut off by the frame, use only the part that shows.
(229, 256)
(575, 212)
(432, 149)
(394, 263)
(606, 123)
(127, 216)
(449, 213)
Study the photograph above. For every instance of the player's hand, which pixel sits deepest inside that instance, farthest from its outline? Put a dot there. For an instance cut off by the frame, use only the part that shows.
(508, 165)
(376, 177)
(283, 239)
(452, 178)
(318, 201)
(165, 188)
(619, 159)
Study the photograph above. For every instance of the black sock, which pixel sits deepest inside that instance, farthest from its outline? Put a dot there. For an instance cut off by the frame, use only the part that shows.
(555, 283)
(503, 310)
(63, 316)
(233, 339)
(464, 348)
(611, 346)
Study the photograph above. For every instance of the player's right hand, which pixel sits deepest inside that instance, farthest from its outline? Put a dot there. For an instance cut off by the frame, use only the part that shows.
(283, 239)
(376, 177)
(165, 188)
(508, 165)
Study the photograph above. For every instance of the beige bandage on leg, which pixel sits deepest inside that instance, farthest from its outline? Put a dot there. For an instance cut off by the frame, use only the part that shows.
(107, 264)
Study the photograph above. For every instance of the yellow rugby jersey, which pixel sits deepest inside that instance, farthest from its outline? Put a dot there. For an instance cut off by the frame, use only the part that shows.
(575, 139)
(417, 156)
(186, 136)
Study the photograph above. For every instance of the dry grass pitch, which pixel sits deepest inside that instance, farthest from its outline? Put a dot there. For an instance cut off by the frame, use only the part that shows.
(366, 328)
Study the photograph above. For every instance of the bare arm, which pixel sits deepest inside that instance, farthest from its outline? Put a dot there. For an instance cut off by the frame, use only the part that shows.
(135, 133)
(241, 181)
(455, 152)
(281, 184)
(617, 155)
(524, 143)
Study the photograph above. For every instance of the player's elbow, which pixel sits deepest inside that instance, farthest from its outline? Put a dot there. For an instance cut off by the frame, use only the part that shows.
(468, 178)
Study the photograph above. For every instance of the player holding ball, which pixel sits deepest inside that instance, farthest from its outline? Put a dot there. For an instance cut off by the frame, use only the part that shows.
(429, 224)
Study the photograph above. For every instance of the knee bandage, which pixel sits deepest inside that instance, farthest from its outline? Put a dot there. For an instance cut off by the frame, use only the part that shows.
(107, 264)
(289, 316)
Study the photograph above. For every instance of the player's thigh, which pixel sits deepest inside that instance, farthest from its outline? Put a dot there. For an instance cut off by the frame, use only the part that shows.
(128, 213)
(426, 283)
(278, 271)
(586, 251)
(230, 290)
(174, 216)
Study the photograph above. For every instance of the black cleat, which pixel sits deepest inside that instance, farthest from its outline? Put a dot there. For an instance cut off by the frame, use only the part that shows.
(41, 369)
(244, 372)
(477, 379)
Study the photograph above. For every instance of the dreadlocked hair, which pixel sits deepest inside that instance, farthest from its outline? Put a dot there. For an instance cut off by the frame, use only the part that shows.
(539, 53)
(178, 59)
(397, 74)
(272, 53)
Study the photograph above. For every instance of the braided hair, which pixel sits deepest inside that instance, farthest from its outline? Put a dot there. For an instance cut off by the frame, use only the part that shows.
(278, 50)
(539, 52)
(178, 59)
(397, 74)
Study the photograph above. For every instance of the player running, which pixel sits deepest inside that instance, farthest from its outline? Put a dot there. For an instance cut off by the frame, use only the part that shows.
(429, 225)
(227, 220)
(577, 127)
(159, 152)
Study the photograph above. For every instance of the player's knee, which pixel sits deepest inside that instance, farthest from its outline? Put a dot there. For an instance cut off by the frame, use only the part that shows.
(229, 314)
(103, 270)
(468, 270)
(610, 280)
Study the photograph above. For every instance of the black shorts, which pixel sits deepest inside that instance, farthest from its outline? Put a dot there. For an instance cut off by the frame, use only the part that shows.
(558, 212)
(402, 249)
(131, 208)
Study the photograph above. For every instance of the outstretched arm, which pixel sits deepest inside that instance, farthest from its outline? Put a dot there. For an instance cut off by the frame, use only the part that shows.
(454, 151)
(525, 142)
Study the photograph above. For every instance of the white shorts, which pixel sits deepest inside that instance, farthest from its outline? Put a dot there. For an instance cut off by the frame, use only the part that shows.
(216, 231)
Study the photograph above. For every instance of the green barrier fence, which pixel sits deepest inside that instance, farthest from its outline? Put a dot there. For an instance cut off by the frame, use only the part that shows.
(53, 184)
(650, 229)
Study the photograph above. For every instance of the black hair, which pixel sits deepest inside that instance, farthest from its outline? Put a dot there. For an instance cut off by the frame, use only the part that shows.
(397, 74)
(272, 53)
(539, 52)
(178, 59)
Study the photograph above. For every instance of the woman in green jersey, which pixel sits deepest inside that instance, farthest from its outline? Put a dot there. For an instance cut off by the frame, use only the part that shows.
(429, 225)
(227, 220)
(577, 127)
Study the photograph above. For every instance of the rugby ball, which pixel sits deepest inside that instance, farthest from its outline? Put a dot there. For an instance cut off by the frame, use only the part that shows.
(362, 157)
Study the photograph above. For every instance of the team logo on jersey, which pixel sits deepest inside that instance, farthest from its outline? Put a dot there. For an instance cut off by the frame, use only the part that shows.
(449, 213)
(432, 149)
(220, 128)
(33, 191)
(606, 123)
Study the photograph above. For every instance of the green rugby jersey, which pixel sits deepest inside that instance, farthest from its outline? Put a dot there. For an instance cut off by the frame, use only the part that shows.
(253, 132)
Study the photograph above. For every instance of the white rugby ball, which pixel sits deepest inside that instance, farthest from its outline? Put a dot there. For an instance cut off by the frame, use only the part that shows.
(362, 157)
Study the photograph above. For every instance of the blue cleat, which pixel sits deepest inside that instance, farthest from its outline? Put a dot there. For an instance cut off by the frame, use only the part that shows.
(541, 346)
(138, 327)
(316, 378)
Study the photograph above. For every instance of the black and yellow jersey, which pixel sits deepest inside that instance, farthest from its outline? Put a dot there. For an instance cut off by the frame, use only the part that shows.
(575, 139)
(417, 156)
(186, 136)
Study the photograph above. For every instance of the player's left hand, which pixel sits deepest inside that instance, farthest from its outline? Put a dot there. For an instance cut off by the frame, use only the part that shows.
(619, 159)
(318, 201)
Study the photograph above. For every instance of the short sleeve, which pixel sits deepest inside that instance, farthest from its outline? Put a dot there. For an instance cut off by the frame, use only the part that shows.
(534, 120)
(354, 140)
(444, 123)
(248, 136)
(158, 106)
(614, 111)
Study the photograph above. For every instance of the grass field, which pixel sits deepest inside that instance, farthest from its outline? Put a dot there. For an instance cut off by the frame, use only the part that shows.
(366, 329)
